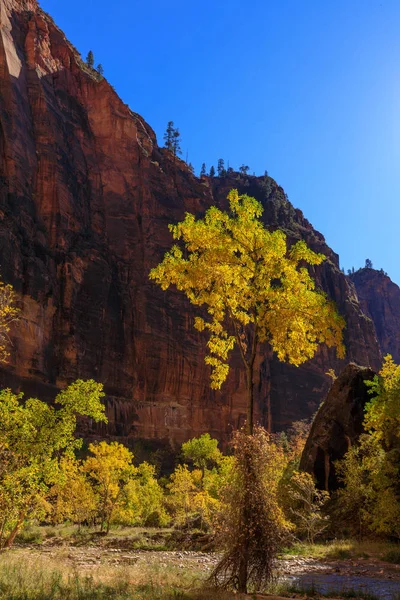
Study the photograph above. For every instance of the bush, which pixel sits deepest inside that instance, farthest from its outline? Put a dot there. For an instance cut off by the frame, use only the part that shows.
(252, 526)
(393, 556)
(31, 535)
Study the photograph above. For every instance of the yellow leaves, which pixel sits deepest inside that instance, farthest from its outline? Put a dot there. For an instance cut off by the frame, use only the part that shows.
(221, 345)
(199, 323)
(202, 450)
(249, 282)
(110, 463)
(300, 251)
(382, 416)
(219, 371)
(110, 467)
(8, 313)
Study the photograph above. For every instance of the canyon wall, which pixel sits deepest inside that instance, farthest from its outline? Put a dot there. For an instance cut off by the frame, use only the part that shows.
(86, 195)
(379, 298)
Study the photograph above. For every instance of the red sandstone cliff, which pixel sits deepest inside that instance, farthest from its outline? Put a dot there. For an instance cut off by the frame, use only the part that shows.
(86, 196)
(379, 298)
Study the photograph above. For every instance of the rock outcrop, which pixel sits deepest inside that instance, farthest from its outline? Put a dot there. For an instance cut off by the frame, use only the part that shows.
(86, 195)
(337, 425)
(379, 298)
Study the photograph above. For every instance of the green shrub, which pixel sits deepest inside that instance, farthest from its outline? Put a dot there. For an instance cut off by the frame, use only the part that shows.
(31, 535)
(339, 553)
(393, 556)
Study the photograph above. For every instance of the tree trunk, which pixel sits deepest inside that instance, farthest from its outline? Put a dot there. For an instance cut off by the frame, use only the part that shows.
(244, 557)
(10, 540)
(244, 560)
(250, 400)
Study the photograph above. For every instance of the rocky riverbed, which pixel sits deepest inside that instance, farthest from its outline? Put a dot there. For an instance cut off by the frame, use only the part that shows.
(369, 575)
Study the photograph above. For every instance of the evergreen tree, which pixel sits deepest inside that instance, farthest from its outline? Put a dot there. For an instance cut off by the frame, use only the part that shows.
(191, 168)
(203, 170)
(169, 136)
(221, 167)
(244, 169)
(100, 69)
(176, 142)
(212, 172)
(90, 59)
(172, 139)
(368, 263)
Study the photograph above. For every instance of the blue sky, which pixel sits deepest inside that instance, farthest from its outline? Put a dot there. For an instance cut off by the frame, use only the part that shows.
(308, 90)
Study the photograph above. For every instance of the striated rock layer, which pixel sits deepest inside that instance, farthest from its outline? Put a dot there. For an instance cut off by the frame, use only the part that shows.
(379, 298)
(86, 196)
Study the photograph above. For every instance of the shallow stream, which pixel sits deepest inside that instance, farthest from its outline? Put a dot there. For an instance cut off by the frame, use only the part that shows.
(385, 589)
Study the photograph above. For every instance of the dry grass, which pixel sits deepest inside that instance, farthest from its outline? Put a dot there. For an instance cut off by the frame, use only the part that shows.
(342, 549)
(27, 575)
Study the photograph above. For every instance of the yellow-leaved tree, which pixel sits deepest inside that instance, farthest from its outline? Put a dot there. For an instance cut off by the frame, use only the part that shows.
(110, 468)
(255, 289)
(35, 440)
(370, 498)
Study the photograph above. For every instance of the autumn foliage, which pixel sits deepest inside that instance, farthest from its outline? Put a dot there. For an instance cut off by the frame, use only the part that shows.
(369, 501)
(8, 313)
(254, 288)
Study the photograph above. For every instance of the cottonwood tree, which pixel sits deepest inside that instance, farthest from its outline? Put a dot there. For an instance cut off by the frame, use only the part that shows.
(34, 438)
(370, 498)
(72, 498)
(307, 503)
(202, 451)
(254, 288)
(110, 468)
(142, 500)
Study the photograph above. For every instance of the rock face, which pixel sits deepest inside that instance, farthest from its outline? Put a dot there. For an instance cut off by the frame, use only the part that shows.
(379, 298)
(86, 196)
(337, 425)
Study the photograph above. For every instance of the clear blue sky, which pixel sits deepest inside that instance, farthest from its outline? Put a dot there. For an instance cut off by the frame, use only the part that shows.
(308, 90)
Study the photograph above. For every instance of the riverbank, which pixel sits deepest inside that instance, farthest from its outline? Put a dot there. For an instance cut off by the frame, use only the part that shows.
(136, 566)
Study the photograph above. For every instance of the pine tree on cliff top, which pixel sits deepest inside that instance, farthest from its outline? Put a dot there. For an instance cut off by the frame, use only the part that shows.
(90, 59)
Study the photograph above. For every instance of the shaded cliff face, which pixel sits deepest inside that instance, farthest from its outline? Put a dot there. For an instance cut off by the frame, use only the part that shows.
(337, 425)
(379, 298)
(86, 196)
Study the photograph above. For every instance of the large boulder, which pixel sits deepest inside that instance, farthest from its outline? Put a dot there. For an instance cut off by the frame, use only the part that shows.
(337, 426)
